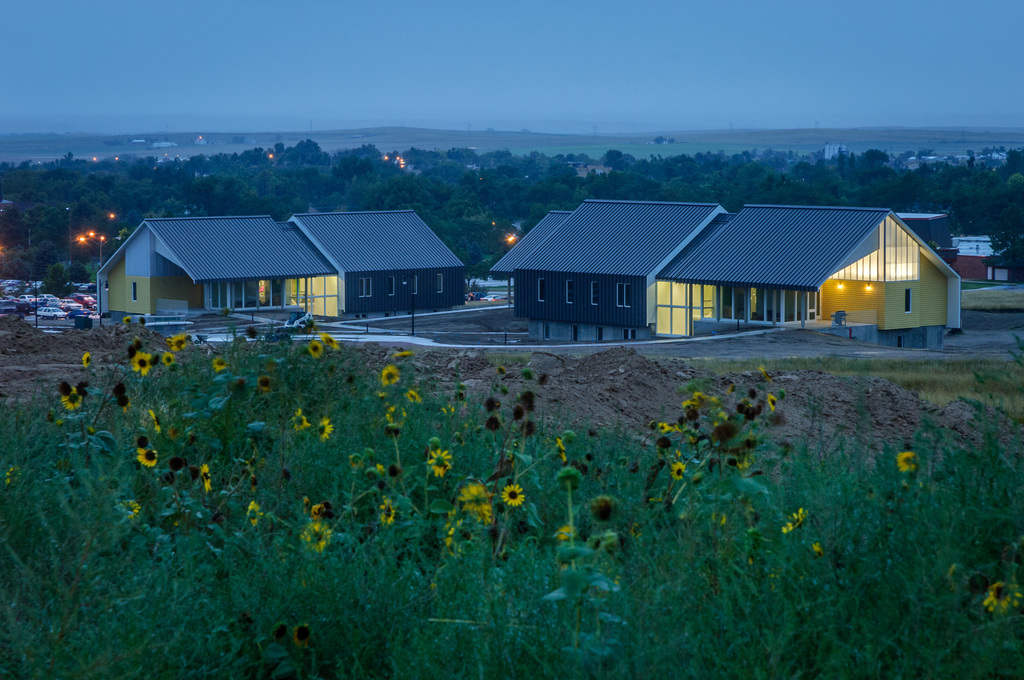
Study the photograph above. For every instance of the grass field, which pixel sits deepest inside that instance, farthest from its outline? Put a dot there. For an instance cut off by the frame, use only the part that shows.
(45, 147)
(1002, 299)
(289, 511)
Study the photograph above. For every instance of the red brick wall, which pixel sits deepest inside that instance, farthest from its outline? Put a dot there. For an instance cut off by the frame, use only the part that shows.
(970, 267)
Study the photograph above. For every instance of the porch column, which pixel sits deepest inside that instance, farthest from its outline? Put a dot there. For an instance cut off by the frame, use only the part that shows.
(775, 305)
(801, 307)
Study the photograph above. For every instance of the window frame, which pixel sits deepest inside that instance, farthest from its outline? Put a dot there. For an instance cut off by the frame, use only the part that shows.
(391, 286)
(541, 289)
(135, 291)
(570, 292)
(440, 282)
(908, 300)
(594, 293)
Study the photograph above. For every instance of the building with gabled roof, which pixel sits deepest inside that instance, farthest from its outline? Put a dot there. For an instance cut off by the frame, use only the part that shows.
(593, 276)
(335, 265)
(530, 242)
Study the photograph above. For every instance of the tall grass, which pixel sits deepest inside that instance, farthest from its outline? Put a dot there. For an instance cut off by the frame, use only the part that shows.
(1002, 299)
(635, 556)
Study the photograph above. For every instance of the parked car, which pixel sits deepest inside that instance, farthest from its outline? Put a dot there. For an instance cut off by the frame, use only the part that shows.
(87, 301)
(67, 304)
(51, 313)
(22, 306)
(10, 309)
(494, 297)
(72, 313)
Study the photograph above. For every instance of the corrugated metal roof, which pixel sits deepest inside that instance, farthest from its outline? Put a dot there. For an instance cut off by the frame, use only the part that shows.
(371, 241)
(236, 248)
(775, 246)
(530, 243)
(618, 237)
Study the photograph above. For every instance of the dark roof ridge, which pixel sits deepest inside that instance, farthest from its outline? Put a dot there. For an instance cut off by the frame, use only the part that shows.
(205, 217)
(617, 200)
(355, 212)
(817, 207)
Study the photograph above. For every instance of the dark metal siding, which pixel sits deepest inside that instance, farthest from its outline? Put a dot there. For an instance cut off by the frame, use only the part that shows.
(426, 299)
(554, 307)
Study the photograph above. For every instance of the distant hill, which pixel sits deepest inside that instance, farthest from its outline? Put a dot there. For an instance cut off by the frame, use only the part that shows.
(47, 147)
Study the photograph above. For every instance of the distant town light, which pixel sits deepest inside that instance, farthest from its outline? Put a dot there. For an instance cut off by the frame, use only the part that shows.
(111, 215)
(511, 238)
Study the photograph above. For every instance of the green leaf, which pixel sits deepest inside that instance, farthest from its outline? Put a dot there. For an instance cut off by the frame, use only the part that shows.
(555, 595)
(440, 506)
(749, 486)
(255, 427)
(104, 441)
(567, 554)
(218, 403)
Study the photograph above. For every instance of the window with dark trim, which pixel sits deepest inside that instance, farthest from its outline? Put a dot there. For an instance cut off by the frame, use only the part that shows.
(365, 287)
(391, 285)
(569, 292)
(593, 292)
(540, 290)
(415, 284)
(440, 283)
(135, 291)
(907, 299)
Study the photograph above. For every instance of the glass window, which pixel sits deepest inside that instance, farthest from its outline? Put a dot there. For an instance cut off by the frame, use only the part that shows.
(726, 302)
(252, 293)
(569, 292)
(907, 300)
(664, 292)
(540, 290)
(593, 293)
(236, 295)
(440, 283)
(391, 285)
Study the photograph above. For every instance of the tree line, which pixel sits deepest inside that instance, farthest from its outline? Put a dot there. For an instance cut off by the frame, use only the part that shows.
(471, 200)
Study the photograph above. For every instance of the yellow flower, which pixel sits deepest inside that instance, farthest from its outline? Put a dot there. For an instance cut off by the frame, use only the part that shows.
(263, 384)
(219, 364)
(329, 341)
(176, 343)
(441, 462)
(764, 373)
(316, 349)
(72, 400)
(666, 428)
(127, 319)
(168, 359)
(12, 473)
(565, 533)
(132, 508)
(156, 421)
(403, 354)
(906, 461)
(796, 520)
(771, 402)
(317, 536)
(204, 474)
(86, 359)
(677, 470)
(818, 550)
(253, 513)
(325, 429)
(512, 495)
(146, 456)
(1002, 597)
(142, 363)
(299, 421)
(413, 396)
(476, 501)
(560, 447)
(301, 635)
(389, 376)
(387, 512)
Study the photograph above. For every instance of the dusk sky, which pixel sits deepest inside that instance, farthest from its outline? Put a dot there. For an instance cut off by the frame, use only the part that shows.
(552, 65)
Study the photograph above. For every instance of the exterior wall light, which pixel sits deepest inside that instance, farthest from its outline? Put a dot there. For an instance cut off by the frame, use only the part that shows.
(869, 286)
(840, 286)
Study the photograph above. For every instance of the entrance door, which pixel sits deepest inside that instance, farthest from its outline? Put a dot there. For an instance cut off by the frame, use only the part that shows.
(812, 306)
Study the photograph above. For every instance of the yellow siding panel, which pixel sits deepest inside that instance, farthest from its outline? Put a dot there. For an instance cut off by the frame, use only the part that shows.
(177, 288)
(895, 297)
(861, 304)
(933, 294)
(116, 284)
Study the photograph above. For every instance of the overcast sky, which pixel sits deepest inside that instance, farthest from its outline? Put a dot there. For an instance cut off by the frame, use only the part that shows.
(547, 65)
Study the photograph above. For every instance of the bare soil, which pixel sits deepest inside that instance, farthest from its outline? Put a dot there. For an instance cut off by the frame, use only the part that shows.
(617, 387)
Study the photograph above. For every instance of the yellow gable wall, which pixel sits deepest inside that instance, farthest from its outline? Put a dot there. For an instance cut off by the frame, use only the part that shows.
(116, 294)
(148, 291)
(934, 294)
(854, 297)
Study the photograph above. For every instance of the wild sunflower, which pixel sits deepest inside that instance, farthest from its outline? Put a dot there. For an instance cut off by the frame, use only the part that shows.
(818, 550)
(678, 468)
(560, 448)
(156, 421)
(126, 319)
(263, 384)
(771, 402)
(219, 364)
(476, 501)
(906, 461)
(764, 372)
(280, 631)
(316, 349)
(142, 362)
(204, 474)
(146, 456)
(86, 360)
(301, 635)
(253, 512)
(403, 354)
(324, 429)
(796, 520)
(1002, 597)
(565, 533)
(299, 421)
(167, 359)
(389, 376)
(413, 396)
(176, 343)
(387, 512)
(12, 474)
(440, 462)
(316, 536)
(329, 341)
(512, 495)
(71, 400)
(132, 508)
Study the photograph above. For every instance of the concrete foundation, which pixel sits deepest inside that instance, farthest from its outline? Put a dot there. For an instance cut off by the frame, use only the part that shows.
(922, 337)
(561, 331)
